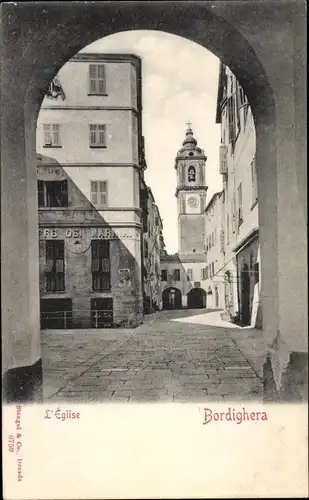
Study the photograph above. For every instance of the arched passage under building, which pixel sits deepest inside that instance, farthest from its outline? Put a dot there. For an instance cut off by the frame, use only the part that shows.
(171, 298)
(39, 39)
(196, 298)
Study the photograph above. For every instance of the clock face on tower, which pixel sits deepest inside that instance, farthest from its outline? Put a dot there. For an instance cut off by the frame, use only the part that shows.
(192, 203)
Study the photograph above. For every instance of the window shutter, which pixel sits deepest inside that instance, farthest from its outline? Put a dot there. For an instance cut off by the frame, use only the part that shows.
(47, 135)
(222, 240)
(105, 265)
(56, 135)
(231, 118)
(59, 266)
(59, 250)
(95, 249)
(92, 134)
(49, 266)
(49, 251)
(92, 78)
(101, 135)
(103, 193)
(103, 197)
(105, 282)
(101, 79)
(94, 192)
(95, 265)
(105, 249)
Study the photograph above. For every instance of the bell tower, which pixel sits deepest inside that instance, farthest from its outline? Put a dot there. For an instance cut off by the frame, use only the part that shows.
(191, 198)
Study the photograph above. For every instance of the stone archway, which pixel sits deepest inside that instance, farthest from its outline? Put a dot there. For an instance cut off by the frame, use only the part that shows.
(39, 39)
(171, 298)
(196, 298)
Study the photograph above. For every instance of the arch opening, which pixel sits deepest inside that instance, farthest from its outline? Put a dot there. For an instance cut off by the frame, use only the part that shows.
(196, 298)
(55, 43)
(172, 298)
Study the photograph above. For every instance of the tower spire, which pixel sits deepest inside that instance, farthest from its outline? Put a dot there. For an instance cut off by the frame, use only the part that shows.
(189, 125)
(189, 139)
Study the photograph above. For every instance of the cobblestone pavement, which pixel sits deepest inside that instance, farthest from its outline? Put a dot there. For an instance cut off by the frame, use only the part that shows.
(168, 358)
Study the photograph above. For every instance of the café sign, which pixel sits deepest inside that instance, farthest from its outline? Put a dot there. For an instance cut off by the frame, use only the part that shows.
(94, 233)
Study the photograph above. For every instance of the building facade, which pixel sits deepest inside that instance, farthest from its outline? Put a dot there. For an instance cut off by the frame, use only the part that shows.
(183, 278)
(90, 217)
(240, 224)
(214, 273)
(152, 246)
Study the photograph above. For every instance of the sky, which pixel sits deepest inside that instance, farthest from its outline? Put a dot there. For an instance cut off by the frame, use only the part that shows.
(179, 84)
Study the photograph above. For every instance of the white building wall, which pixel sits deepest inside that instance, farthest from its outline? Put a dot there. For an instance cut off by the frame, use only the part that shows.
(74, 135)
(120, 88)
(118, 161)
(239, 171)
(214, 283)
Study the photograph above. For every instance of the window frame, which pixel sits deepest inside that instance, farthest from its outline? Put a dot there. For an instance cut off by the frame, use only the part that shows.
(99, 193)
(52, 143)
(97, 80)
(97, 129)
(100, 270)
(42, 188)
(165, 274)
(54, 279)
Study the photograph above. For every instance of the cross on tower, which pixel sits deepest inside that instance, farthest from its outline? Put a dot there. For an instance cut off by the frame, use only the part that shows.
(189, 124)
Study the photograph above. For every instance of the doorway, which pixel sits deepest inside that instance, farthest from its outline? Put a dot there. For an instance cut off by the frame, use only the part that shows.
(245, 295)
(171, 298)
(196, 298)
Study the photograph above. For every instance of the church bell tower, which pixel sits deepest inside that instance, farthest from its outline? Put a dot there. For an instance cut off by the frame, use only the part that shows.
(191, 198)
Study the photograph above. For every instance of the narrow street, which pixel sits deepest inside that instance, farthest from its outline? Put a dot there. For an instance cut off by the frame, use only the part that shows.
(181, 356)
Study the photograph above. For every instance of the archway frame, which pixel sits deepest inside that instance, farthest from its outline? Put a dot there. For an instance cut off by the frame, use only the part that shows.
(39, 38)
(202, 297)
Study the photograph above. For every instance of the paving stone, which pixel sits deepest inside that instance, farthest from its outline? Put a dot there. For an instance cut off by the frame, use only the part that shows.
(158, 359)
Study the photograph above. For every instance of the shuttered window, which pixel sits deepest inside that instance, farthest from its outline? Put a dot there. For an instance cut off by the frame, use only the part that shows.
(98, 193)
(97, 135)
(54, 266)
(97, 79)
(52, 135)
(100, 266)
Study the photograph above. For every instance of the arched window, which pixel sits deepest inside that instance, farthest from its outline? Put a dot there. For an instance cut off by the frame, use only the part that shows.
(191, 174)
